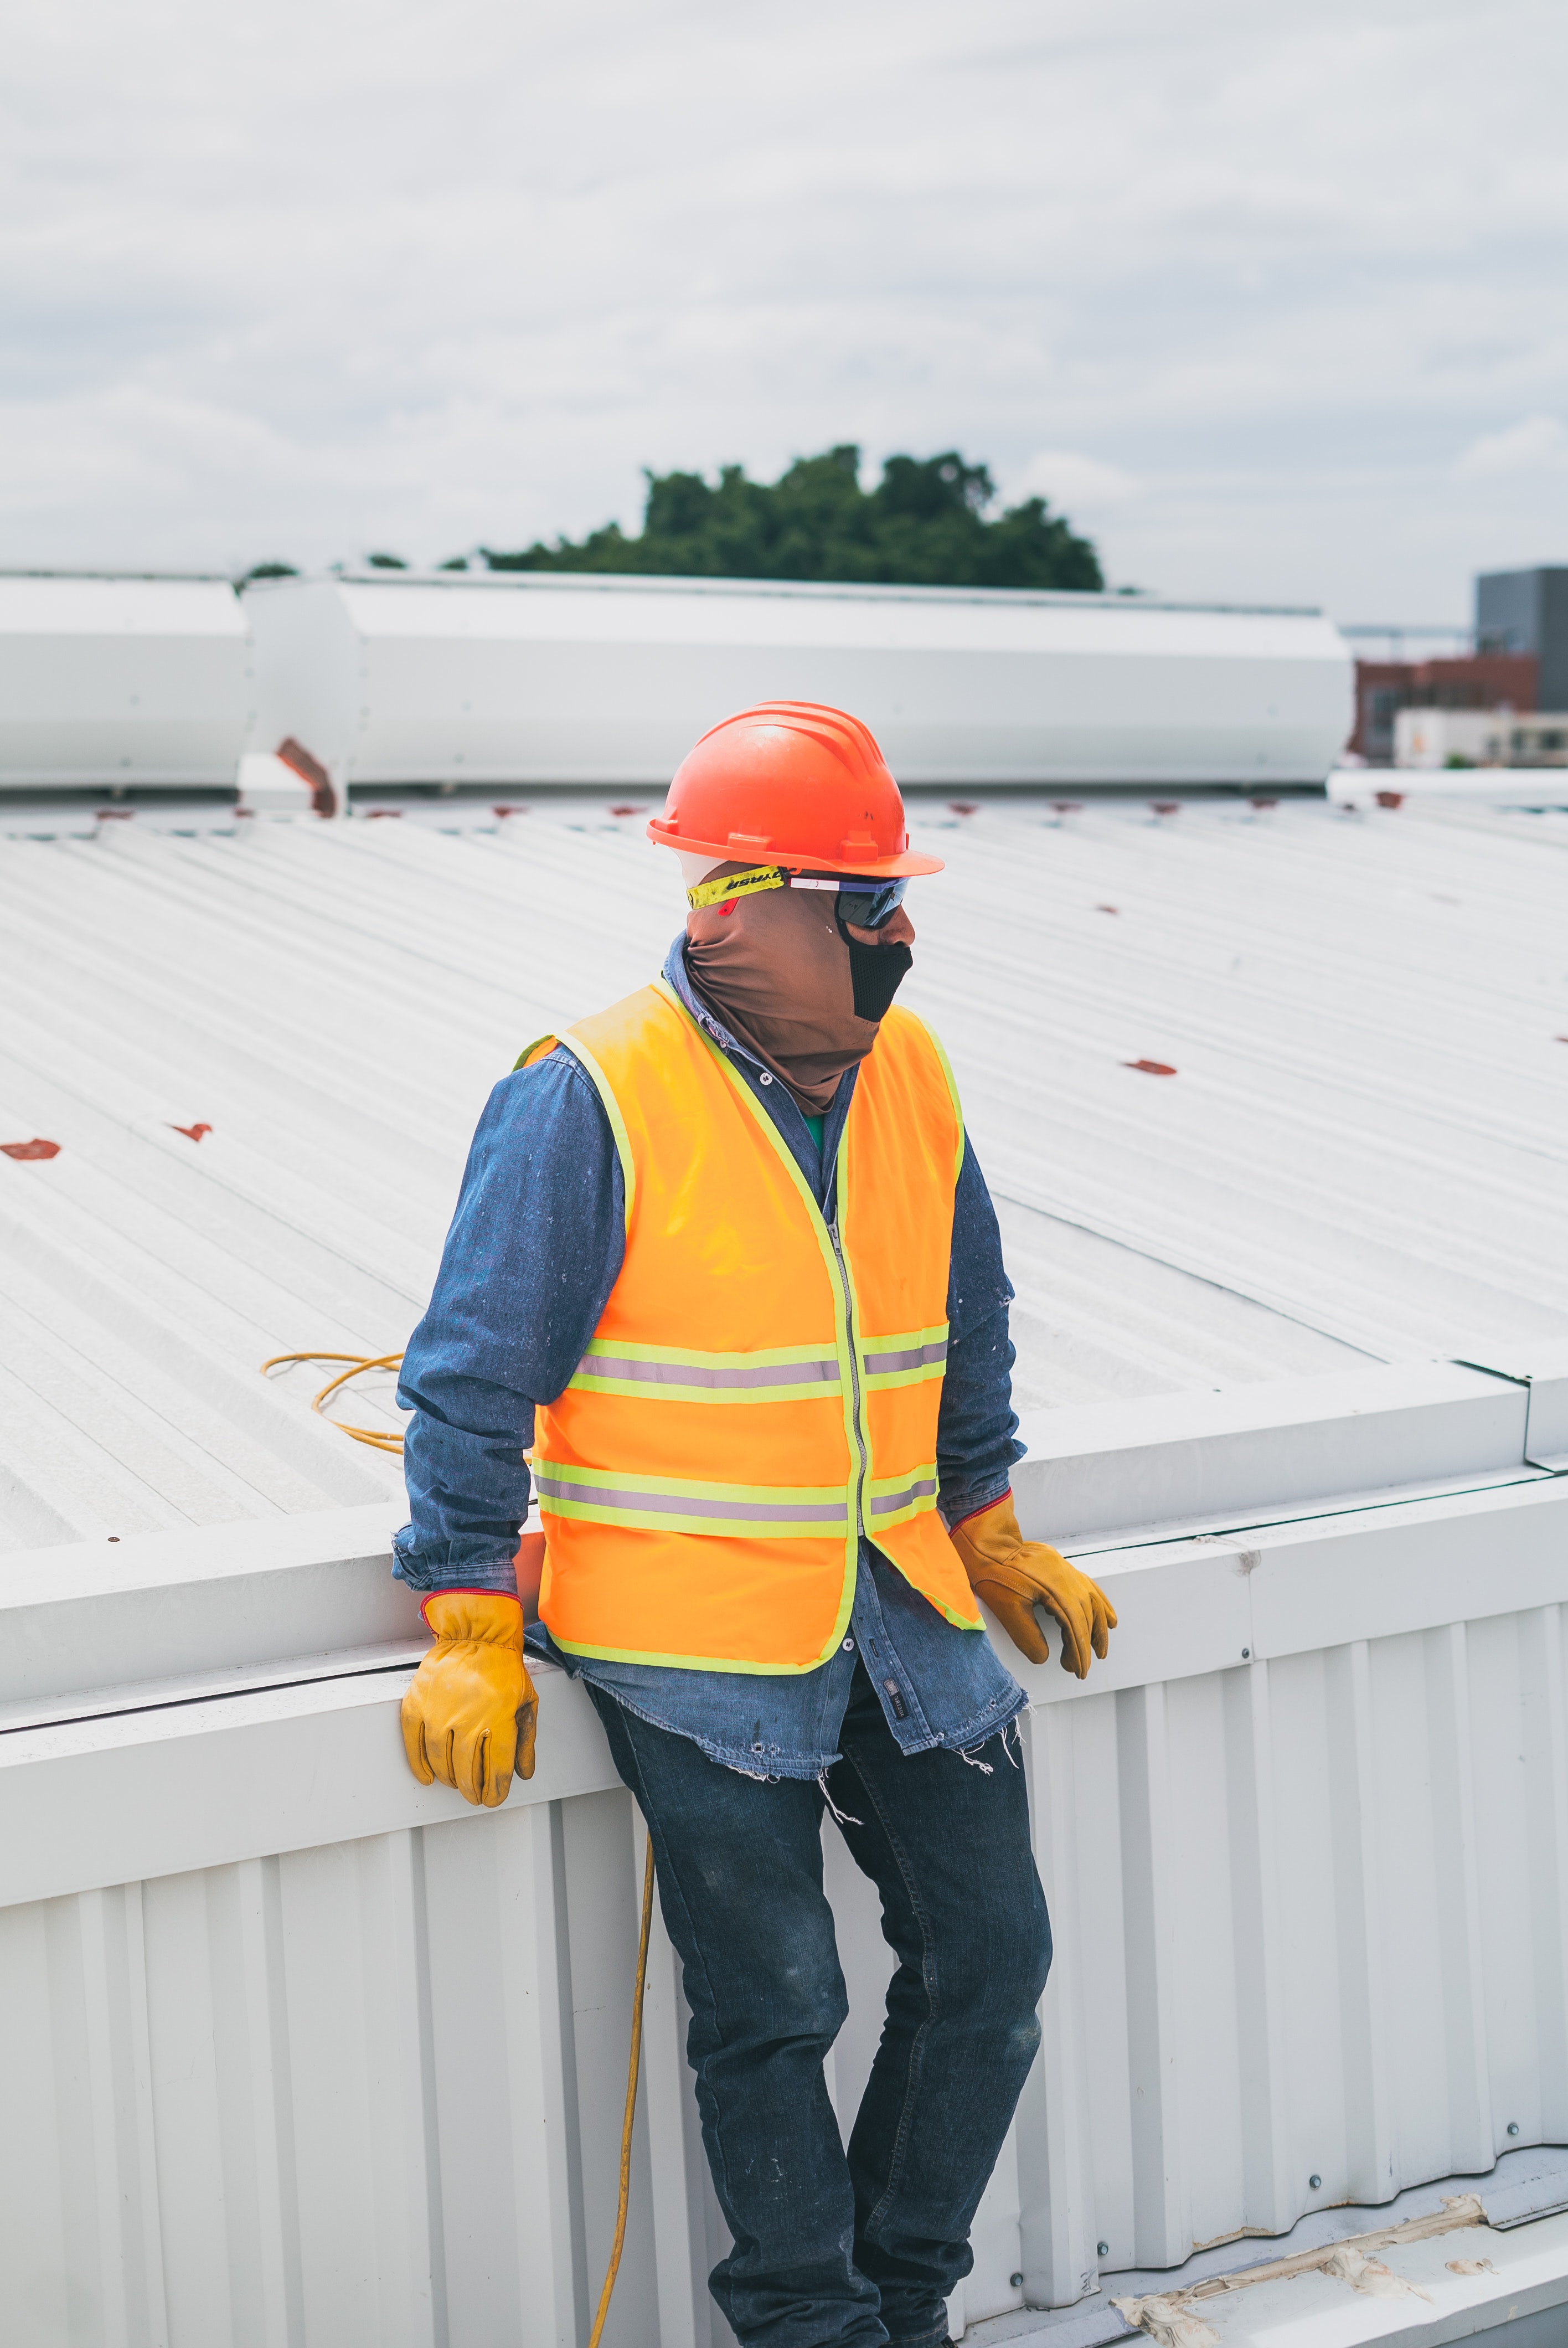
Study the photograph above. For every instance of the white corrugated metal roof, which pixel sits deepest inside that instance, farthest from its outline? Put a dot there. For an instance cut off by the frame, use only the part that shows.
(1362, 1146)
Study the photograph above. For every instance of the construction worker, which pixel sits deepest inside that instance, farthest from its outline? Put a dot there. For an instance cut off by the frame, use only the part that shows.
(725, 1267)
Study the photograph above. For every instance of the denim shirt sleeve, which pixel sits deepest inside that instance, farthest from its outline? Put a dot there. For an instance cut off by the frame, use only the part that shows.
(977, 1425)
(535, 1248)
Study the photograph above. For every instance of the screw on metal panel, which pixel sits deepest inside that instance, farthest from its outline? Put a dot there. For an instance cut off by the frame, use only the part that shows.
(1513, 2127)
(1016, 2281)
(1102, 2249)
(1247, 1654)
(1314, 2183)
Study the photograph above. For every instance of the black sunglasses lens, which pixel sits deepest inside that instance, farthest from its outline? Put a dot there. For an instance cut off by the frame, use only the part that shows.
(868, 908)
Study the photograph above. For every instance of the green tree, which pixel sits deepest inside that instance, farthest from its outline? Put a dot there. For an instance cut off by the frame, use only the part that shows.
(925, 523)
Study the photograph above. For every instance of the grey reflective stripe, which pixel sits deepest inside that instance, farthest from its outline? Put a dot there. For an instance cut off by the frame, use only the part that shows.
(691, 1373)
(923, 1490)
(682, 1504)
(916, 1357)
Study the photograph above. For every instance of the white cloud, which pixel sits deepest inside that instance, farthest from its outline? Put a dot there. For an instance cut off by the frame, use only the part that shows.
(1536, 444)
(1228, 284)
(1073, 482)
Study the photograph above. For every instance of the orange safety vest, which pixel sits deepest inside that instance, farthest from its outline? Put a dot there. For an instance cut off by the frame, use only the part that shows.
(763, 1383)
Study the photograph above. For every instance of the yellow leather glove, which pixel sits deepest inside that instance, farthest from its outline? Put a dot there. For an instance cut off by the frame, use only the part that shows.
(470, 1711)
(1012, 1575)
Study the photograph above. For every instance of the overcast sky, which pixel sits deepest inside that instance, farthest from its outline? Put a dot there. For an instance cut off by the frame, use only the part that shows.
(1268, 298)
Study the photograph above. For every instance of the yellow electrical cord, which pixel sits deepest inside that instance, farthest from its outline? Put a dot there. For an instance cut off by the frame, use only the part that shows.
(632, 2069)
(378, 1439)
(381, 1441)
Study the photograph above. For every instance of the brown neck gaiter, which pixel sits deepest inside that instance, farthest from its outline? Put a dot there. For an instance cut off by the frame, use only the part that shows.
(776, 969)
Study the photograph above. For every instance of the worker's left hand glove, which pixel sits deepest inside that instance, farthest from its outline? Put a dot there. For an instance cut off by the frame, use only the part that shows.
(1014, 1575)
(470, 1711)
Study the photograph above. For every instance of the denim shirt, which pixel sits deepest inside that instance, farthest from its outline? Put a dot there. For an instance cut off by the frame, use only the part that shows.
(535, 1248)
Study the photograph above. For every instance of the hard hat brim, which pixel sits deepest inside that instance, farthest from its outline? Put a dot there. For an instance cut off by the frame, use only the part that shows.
(733, 851)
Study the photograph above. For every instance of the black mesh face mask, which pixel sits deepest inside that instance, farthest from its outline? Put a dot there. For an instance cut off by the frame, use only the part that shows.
(876, 973)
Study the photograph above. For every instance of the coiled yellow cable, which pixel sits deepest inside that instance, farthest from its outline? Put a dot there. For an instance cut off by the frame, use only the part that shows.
(378, 1439)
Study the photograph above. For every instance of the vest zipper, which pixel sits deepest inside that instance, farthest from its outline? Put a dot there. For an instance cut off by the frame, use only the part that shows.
(853, 1377)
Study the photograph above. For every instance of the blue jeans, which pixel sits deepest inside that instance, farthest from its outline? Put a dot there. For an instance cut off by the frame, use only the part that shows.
(836, 2248)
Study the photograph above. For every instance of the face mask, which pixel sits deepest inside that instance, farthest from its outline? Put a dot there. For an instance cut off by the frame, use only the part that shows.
(779, 972)
(875, 973)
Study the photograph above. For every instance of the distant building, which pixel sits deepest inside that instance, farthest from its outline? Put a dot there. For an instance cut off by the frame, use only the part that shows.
(1480, 737)
(1525, 614)
(1479, 681)
(1519, 663)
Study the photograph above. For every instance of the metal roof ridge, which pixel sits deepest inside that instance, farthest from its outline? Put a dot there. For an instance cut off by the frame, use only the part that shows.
(139, 578)
(805, 590)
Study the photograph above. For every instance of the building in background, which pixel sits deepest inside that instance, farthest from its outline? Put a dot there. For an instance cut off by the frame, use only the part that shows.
(1482, 683)
(1432, 739)
(1525, 613)
(1517, 663)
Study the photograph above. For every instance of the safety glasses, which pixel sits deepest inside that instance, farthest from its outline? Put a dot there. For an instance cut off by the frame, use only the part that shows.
(862, 904)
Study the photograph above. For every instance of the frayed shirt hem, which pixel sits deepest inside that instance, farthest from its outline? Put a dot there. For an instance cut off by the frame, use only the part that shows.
(766, 1767)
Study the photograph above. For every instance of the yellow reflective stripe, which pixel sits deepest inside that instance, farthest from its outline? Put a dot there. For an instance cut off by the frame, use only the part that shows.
(644, 1382)
(700, 1359)
(713, 1662)
(606, 1495)
(526, 1053)
(611, 1107)
(606, 1092)
(860, 1433)
(696, 1487)
(904, 1340)
(959, 1621)
(894, 1500)
(884, 1381)
(908, 1360)
(683, 1373)
(936, 1043)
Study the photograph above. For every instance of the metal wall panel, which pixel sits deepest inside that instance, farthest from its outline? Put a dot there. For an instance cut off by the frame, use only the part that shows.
(1310, 1919)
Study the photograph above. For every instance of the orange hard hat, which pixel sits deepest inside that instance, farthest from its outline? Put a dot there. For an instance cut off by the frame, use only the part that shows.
(793, 783)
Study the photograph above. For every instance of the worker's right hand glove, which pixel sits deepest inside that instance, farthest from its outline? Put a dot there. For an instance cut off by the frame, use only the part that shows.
(1013, 1576)
(470, 1710)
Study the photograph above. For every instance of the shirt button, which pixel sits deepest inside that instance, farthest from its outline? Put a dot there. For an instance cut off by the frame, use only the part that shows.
(766, 1078)
(849, 1646)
